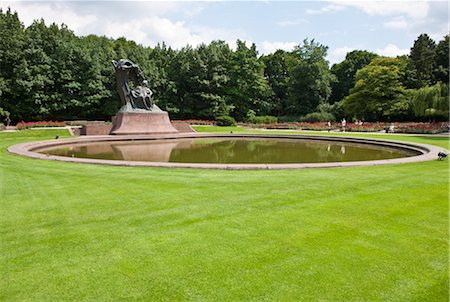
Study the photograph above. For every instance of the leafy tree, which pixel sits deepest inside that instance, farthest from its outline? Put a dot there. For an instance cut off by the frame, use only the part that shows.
(99, 76)
(440, 73)
(13, 65)
(247, 89)
(431, 102)
(214, 79)
(422, 59)
(345, 73)
(47, 72)
(310, 78)
(276, 71)
(161, 69)
(379, 93)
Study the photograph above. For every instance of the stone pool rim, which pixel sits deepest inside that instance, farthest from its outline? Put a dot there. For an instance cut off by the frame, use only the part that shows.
(428, 152)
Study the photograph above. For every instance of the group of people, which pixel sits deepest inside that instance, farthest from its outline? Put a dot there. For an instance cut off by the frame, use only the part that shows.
(344, 124)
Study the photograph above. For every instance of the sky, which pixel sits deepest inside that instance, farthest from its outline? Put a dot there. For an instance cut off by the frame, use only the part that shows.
(387, 28)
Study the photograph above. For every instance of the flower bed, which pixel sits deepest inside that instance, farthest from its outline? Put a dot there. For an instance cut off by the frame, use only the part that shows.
(421, 128)
(27, 125)
(197, 122)
(413, 128)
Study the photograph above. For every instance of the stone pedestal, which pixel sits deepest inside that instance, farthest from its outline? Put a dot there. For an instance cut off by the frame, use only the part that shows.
(152, 122)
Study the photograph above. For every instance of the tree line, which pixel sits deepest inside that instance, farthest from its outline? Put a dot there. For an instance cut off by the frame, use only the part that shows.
(49, 73)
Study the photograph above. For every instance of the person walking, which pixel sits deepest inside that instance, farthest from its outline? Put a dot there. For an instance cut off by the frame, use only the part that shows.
(7, 121)
(343, 124)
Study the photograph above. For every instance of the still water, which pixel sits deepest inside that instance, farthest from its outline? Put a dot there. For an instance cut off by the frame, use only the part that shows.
(230, 151)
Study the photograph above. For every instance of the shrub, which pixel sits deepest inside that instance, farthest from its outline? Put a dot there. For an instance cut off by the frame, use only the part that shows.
(226, 120)
(264, 119)
(196, 122)
(288, 119)
(318, 117)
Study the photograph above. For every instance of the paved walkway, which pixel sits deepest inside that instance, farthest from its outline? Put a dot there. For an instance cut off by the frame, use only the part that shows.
(445, 134)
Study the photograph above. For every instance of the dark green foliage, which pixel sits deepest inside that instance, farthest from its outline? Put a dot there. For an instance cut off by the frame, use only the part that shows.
(310, 78)
(422, 61)
(264, 119)
(13, 66)
(432, 102)
(225, 120)
(200, 77)
(49, 73)
(440, 73)
(248, 89)
(277, 66)
(379, 93)
(345, 73)
(318, 117)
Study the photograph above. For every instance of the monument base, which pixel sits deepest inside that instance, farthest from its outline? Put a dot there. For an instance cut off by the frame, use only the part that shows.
(153, 122)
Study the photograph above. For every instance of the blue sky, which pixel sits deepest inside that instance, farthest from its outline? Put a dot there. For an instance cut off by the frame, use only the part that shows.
(385, 27)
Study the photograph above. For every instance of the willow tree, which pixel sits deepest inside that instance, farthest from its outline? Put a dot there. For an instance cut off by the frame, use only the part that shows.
(431, 102)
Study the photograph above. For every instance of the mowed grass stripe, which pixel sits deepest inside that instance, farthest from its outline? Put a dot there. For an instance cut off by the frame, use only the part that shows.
(75, 232)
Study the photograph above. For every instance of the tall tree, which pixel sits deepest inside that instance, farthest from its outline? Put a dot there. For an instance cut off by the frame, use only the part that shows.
(161, 61)
(276, 71)
(310, 78)
(431, 102)
(422, 61)
(14, 73)
(214, 79)
(345, 73)
(379, 93)
(99, 77)
(442, 61)
(248, 89)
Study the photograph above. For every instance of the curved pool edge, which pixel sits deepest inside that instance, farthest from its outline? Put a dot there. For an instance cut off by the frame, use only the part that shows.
(429, 152)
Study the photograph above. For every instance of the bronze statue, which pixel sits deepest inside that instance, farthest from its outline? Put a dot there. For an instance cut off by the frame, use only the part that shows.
(132, 87)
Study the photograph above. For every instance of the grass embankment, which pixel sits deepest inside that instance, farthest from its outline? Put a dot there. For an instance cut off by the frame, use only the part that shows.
(76, 232)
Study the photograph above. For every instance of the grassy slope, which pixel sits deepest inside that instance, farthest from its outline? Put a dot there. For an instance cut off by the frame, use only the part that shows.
(95, 233)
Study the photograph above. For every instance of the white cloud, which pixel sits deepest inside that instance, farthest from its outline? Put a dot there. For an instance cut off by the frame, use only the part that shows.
(152, 30)
(392, 50)
(337, 55)
(143, 22)
(292, 22)
(413, 9)
(396, 23)
(330, 8)
(413, 17)
(56, 12)
(270, 47)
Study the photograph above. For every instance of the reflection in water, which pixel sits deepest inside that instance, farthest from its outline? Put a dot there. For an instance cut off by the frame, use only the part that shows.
(230, 150)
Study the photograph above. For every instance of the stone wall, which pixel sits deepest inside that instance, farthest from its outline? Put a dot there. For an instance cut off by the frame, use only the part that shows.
(96, 129)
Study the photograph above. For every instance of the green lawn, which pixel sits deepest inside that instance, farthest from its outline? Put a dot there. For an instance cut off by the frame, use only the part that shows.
(77, 232)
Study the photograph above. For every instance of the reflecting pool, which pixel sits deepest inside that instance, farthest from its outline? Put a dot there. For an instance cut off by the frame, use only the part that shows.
(230, 151)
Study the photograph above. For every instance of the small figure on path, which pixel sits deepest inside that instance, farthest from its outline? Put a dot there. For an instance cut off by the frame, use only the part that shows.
(7, 121)
(391, 128)
(343, 124)
(329, 126)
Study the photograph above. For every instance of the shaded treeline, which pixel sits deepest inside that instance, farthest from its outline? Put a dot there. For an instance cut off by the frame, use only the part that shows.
(48, 73)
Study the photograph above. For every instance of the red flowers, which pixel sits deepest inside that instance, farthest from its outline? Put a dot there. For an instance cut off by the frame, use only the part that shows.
(26, 125)
(419, 128)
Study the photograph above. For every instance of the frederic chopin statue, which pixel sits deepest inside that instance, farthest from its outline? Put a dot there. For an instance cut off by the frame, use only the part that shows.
(132, 87)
